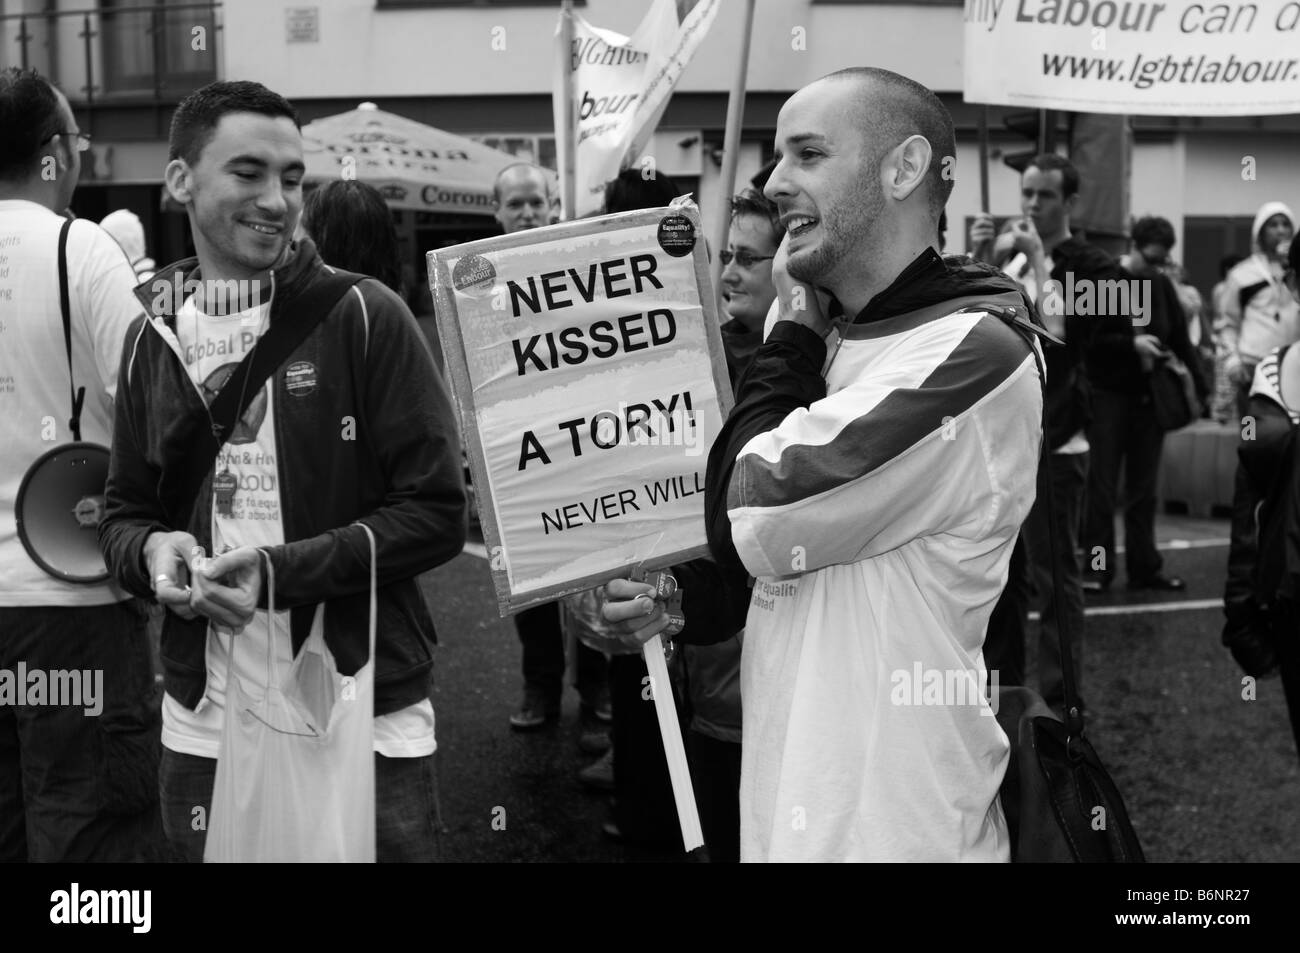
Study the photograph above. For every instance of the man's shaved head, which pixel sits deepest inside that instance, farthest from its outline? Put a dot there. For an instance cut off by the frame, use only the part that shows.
(894, 107)
(522, 195)
(516, 174)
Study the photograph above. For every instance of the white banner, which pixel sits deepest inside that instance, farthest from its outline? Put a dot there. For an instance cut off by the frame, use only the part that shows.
(1134, 56)
(621, 88)
(590, 378)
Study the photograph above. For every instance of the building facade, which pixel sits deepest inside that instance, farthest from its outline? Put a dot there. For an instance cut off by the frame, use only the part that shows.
(483, 68)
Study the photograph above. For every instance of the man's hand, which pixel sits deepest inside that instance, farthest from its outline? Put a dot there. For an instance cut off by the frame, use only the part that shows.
(797, 301)
(168, 555)
(1149, 349)
(981, 236)
(1025, 239)
(227, 587)
(631, 613)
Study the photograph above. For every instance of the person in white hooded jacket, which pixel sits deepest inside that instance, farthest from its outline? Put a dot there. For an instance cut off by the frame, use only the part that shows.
(1258, 314)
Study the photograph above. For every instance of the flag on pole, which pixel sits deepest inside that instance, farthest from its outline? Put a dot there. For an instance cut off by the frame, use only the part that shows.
(621, 86)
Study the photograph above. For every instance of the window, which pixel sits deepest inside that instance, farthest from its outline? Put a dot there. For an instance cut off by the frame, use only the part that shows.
(147, 46)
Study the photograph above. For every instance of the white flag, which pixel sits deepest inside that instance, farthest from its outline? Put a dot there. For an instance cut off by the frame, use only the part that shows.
(621, 87)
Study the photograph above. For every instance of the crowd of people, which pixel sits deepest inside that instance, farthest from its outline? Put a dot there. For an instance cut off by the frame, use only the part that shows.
(860, 520)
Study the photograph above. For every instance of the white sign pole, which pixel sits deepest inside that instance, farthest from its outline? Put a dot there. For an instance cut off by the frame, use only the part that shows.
(731, 151)
(674, 750)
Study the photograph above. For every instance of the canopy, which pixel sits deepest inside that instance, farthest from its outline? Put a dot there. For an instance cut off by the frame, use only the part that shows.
(415, 166)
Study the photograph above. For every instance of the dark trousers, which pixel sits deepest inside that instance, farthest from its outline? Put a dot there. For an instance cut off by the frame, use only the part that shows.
(78, 782)
(643, 791)
(404, 807)
(543, 643)
(715, 775)
(1123, 431)
(1069, 475)
(1030, 582)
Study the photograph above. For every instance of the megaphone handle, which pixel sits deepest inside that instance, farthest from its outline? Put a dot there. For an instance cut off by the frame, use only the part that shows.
(74, 422)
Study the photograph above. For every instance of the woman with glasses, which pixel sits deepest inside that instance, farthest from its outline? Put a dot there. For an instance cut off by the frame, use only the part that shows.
(747, 274)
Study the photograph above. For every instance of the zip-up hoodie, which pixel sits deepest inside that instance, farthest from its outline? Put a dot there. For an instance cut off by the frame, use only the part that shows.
(375, 440)
(1259, 313)
(877, 503)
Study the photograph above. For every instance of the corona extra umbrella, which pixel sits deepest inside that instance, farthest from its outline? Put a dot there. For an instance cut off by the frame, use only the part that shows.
(415, 166)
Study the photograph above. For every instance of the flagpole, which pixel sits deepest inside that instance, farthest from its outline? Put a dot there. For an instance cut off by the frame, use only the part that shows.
(568, 141)
(731, 151)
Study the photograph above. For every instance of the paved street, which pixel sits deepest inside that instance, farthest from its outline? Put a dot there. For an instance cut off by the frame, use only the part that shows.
(1206, 775)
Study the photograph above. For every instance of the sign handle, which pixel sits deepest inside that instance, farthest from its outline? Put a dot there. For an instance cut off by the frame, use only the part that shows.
(675, 751)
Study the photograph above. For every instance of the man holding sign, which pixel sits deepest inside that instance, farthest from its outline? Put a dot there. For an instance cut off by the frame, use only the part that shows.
(875, 497)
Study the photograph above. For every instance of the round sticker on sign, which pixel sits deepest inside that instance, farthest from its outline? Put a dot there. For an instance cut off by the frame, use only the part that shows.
(474, 275)
(300, 379)
(677, 235)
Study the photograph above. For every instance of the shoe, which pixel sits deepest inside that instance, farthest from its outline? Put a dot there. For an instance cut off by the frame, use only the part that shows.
(534, 714)
(1159, 582)
(611, 830)
(1095, 586)
(594, 742)
(599, 776)
(601, 711)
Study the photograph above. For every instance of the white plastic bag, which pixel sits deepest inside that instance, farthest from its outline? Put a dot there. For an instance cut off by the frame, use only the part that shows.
(296, 770)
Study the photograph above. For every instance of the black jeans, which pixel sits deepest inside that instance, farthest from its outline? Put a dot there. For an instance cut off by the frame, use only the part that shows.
(643, 790)
(543, 641)
(1030, 582)
(1123, 431)
(79, 769)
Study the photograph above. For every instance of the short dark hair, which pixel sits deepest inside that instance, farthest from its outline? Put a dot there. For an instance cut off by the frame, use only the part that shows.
(631, 190)
(353, 229)
(754, 203)
(894, 108)
(195, 121)
(1153, 230)
(29, 118)
(1051, 162)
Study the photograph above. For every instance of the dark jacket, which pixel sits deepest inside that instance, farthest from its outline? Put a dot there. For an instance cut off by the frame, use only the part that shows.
(374, 441)
(1167, 321)
(1093, 343)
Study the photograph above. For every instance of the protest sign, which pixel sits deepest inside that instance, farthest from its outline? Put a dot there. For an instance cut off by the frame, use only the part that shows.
(621, 87)
(588, 373)
(1134, 56)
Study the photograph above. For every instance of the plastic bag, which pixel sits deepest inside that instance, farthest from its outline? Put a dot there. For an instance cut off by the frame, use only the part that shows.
(296, 771)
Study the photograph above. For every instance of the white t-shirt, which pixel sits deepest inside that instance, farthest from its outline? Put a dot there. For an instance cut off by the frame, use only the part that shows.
(35, 402)
(211, 347)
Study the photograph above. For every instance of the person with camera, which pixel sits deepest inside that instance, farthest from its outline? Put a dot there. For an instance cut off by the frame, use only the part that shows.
(1051, 258)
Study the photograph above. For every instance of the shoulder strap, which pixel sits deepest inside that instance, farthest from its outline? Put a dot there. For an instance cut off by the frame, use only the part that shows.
(65, 306)
(273, 348)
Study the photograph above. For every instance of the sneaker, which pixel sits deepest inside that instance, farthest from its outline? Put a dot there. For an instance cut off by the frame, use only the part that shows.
(599, 776)
(534, 714)
(1159, 582)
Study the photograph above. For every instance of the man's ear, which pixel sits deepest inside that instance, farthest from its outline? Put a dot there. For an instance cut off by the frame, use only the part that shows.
(906, 167)
(1070, 203)
(177, 177)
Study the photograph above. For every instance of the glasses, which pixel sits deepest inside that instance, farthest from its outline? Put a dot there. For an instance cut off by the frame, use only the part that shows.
(742, 258)
(81, 139)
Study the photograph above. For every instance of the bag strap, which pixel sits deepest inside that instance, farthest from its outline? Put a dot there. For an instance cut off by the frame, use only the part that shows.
(273, 348)
(1024, 327)
(65, 307)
